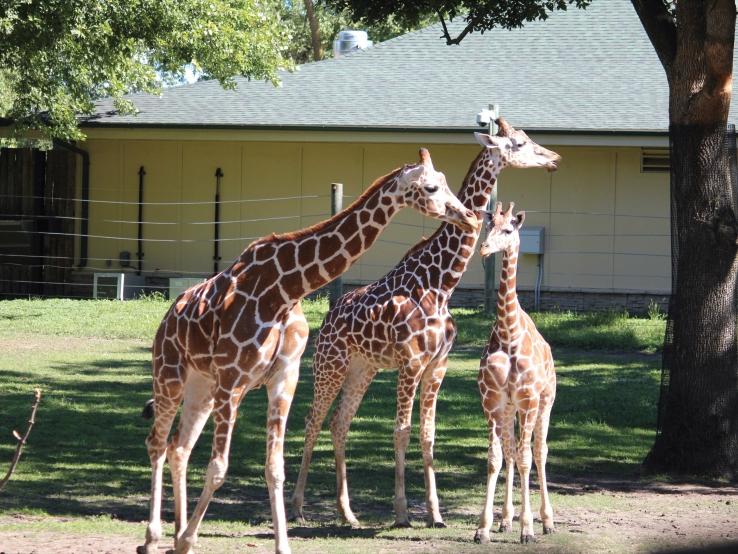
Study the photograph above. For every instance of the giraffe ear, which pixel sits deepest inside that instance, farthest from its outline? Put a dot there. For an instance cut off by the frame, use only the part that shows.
(488, 141)
(520, 216)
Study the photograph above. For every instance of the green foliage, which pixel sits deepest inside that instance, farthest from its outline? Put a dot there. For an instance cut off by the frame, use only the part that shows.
(480, 16)
(58, 57)
(331, 21)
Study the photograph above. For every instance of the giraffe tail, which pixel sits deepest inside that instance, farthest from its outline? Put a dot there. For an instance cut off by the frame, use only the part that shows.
(148, 409)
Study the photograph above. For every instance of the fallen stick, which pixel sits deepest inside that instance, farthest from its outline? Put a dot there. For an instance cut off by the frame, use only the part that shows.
(22, 440)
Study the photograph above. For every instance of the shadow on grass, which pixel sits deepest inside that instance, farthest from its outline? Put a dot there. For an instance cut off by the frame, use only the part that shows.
(86, 455)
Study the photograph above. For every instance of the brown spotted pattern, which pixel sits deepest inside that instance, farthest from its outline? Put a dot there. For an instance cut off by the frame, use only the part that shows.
(402, 321)
(244, 328)
(516, 378)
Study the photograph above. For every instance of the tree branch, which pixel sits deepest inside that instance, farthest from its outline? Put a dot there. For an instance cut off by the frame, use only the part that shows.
(468, 29)
(22, 440)
(660, 28)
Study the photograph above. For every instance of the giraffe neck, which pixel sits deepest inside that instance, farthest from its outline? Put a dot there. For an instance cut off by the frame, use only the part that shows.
(456, 245)
(306, 260)
(508, 307)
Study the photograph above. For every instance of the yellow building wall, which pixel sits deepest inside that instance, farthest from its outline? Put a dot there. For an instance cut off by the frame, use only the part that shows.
(606, 223)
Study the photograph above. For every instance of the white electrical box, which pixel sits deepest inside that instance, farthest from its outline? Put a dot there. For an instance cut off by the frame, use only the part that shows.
(532, 240)
(178, 285)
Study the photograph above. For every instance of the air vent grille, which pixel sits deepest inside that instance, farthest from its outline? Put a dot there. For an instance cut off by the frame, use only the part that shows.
(655, 160)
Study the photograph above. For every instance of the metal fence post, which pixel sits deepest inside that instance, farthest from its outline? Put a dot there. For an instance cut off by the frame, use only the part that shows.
(490, 296)
(335, 288)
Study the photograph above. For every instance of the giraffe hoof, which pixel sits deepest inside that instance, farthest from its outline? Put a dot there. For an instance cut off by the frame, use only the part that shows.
(527, 539)
(505, 527)
(481, 536)
(436, 524)
(549, 530)
(402, 524)
(143, 549)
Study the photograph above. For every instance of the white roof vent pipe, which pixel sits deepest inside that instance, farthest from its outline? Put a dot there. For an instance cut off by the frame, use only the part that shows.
(350, 41)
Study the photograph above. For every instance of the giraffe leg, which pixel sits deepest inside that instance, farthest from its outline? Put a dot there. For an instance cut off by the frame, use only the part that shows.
(407, 385)
(430, 384)
(540, 452)
(198, 404)
(358, 379)
(280, 390)
(527, 416)
(166, 403)
(328, 381)
(493, 411)
(508, 448)
(224, 416)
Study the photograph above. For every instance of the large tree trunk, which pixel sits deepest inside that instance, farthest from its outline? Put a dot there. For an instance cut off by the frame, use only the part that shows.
(699, 406)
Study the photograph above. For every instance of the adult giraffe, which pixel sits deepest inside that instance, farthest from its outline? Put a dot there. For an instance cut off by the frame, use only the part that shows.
(244, 328)
(402, 321)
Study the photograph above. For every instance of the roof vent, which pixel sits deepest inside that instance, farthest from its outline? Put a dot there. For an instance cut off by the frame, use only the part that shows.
(350, 41)
(655, 160)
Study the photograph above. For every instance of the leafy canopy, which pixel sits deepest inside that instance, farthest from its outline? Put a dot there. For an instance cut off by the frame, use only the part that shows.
(58, 56)
(480, 16)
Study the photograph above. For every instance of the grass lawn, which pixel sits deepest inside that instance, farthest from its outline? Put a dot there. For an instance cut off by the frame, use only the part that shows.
(85, 468)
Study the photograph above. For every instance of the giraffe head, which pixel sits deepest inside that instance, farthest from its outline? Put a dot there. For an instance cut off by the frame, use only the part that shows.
(503, 230)
(515, 149)
(425, 189)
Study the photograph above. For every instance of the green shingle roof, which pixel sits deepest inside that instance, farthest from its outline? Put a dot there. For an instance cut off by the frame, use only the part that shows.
(585, 71)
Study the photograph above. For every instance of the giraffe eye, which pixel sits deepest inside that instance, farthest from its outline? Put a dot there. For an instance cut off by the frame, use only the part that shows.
(431, 189)
(507, 231)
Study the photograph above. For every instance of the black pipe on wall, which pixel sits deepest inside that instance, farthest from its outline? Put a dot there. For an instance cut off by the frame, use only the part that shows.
(85, 200)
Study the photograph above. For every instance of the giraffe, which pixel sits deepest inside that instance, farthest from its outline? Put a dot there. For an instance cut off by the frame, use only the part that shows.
(516, 377)
(244, 328)
(402, 321)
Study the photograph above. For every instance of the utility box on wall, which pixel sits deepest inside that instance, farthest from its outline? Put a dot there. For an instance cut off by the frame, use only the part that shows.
(532, 240)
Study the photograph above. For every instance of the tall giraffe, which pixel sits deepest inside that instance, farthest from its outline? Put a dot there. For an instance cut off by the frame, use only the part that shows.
(516, 377)
(402, 321)
(244, 328)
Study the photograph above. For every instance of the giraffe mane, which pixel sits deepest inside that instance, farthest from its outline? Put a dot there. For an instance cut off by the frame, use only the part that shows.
(320, 226)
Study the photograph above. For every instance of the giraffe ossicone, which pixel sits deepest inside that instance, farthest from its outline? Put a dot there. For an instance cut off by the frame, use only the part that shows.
(516, 379)
(244, 328)
(402, 321)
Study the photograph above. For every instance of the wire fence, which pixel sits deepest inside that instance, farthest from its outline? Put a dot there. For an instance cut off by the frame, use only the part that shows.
(174, 232)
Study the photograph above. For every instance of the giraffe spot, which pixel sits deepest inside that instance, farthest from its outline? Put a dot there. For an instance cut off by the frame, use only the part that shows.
(292, 284)
(225, 349)
(380, 217)
(372, 203)
(348, 226)
(370, 233)
(354, 246)
(286, 256)
(312, 274)
(263, 252)
(336, 265)
(306, 251)
(269, 303)
(364, 217)
(329, 245)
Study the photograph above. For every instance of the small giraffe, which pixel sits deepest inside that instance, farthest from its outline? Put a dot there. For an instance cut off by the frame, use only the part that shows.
(403, 321)
(244, 328)
(516, 377)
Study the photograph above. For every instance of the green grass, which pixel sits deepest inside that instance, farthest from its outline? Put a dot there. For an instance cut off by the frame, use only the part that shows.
(91, 359)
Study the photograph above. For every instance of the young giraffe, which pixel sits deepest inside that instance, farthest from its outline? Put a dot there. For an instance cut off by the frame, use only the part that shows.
(244, 328)
(402, 321)
(516, 376)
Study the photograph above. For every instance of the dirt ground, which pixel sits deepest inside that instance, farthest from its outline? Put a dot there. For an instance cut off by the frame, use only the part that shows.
(604, 516)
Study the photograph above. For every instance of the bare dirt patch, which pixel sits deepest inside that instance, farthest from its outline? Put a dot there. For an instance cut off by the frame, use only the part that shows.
(594, 516)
